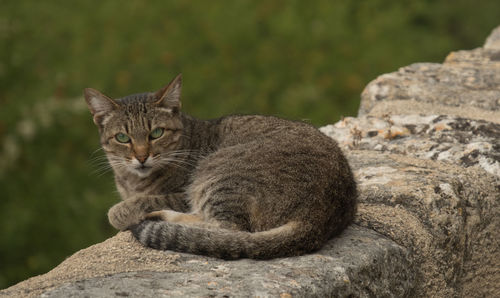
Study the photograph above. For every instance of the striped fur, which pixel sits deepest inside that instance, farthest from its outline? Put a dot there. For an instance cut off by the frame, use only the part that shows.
(287, 240)
(234, 187)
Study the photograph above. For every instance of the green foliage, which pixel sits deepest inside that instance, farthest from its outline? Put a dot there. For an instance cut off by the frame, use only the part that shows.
(297, 59)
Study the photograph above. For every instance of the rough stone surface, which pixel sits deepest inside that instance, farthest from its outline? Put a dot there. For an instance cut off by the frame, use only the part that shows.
(466, 79)
(462, 141)
(425, 150)
(446, 216)
(339, 269)
(493, 41)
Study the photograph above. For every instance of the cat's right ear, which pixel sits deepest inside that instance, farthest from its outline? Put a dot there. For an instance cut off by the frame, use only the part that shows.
(170, 96)
(99, 104)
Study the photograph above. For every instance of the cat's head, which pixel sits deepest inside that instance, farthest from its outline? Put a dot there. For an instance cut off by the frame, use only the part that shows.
(138, 132)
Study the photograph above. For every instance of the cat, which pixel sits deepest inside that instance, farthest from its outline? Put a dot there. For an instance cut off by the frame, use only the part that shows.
(241, 186)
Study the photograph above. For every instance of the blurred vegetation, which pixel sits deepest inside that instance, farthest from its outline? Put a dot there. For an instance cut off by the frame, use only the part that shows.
(297, 59)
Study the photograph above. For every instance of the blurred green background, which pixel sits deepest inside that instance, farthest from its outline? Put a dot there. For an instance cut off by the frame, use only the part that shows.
(296, 59)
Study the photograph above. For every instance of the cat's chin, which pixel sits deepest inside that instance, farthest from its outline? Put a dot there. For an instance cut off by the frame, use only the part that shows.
(141, 171)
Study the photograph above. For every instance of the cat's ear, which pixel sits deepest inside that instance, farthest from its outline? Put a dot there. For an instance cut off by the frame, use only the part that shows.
(170, 96)
(99, 104)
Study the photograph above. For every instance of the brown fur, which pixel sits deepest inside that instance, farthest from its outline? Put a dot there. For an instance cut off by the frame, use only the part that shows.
(233, 187)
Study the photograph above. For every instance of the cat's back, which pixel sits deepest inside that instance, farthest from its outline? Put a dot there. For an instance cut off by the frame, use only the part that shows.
(271, 145)
(246, 129)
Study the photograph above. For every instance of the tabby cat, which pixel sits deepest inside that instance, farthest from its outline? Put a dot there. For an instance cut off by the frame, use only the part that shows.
(234, 187)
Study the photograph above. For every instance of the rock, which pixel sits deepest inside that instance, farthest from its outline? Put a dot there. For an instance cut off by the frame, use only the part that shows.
(360, 261)
(340, 268)
(425, 150)
(451, 139)
(466, 79)
(447, 218)
(493, 41)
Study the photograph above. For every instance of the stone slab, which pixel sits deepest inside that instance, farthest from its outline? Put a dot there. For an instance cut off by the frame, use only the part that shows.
(466, 79)
(452, 139)
(360, 262)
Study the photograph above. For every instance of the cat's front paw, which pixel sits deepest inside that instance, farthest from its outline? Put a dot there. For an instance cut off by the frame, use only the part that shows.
(121, 216)
(160, 215)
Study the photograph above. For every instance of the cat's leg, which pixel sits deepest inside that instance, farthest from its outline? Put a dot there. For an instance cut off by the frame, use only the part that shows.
(133, 210)
(194, 219)
(174, 216)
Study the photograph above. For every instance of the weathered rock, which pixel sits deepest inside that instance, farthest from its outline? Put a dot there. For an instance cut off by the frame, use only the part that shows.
(446, 216)
(426, 153)
(466, 79)
(493, 41)
(452, 139)
(360, 262)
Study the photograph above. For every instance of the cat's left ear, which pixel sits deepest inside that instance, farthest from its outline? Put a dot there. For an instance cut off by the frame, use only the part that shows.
(170, 96)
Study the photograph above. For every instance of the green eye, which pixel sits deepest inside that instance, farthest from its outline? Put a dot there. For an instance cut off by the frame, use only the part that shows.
(156, 133)
(122, 138)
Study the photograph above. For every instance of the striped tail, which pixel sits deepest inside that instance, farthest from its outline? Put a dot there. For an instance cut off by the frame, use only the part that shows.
(288, 240)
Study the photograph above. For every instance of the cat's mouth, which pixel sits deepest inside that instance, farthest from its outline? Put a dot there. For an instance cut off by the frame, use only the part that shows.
(143, 170)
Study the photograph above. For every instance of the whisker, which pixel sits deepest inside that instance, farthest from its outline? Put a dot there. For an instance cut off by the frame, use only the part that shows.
(101, 171)
(163, 162)
(98, 161)
(95, 151)
(176, 157)
(105, 164)
(185, 136)
(177, 165)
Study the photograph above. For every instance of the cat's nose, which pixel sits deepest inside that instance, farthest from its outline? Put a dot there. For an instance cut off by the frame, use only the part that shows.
(142, 158)
(141, 153)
